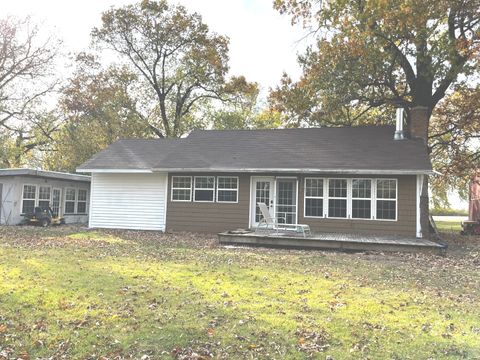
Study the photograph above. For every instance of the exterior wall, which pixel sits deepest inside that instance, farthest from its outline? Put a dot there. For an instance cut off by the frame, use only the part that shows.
(128, 201)
(12, 197)
(210, 217)
(217, 217)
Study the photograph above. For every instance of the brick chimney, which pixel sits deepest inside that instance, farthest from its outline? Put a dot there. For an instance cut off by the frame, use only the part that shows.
(418, 125)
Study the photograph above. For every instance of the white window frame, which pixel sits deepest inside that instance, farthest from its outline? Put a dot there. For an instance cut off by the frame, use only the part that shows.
(347, 215)
(34, 199)
(38, 195)
(396, 200)
(177, 188)
(74, 202)
(82, 201)
(218, 189)
(371, 198)
(209, 189)
(305, 197)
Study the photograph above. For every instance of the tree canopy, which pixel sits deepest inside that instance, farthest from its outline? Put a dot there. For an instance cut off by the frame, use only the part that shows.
(181, 63)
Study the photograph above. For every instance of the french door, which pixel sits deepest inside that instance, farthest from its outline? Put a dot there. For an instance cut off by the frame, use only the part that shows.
(279, 194)
(56, 200)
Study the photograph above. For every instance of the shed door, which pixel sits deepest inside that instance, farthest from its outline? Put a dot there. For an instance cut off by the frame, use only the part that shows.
(128, 201)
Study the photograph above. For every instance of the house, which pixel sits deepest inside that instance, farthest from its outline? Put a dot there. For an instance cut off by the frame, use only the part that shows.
(21, 190)
(367, 180)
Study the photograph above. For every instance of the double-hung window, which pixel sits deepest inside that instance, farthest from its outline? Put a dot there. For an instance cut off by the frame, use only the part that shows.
(314, 197)
(227, 189)
(44, 197)
(181, 188)
(70, 198)
(386, 199)
(204, 189)
(337, 198)
(28, 201)
(82, 201)
(361, 198)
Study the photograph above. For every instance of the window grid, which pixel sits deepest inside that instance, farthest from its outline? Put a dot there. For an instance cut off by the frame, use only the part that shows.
(388, 204)
(227, 189)
(361, 199)
(82, 201)
(70, 198)
(181, 188)
(204, 189)
(314, 195)
(28, 198)
(337, 198)
(44, 194)
(386, 199)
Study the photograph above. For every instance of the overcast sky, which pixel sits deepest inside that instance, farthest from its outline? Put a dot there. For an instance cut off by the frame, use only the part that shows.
(263, 43)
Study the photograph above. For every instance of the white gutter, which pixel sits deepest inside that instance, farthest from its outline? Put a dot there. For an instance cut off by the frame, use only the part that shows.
(301, 171)
(115, 171)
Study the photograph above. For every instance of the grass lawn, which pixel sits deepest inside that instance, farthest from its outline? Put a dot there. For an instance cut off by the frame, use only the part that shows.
(75, 294)
(449, 226)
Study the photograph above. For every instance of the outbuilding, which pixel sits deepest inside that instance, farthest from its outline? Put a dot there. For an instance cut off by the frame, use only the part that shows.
(21, 190)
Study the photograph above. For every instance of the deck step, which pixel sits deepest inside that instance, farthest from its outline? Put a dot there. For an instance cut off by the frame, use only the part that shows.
(345, 242)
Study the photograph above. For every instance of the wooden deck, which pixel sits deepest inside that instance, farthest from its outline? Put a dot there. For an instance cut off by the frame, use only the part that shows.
(345, 242)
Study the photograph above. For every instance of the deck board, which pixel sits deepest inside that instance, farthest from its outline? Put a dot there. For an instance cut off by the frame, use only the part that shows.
(339, 241)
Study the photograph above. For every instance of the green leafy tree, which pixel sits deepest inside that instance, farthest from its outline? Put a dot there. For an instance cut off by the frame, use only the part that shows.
(378, 53)
(455, 142)
(96, 110)
(244, 110)
(181, 65)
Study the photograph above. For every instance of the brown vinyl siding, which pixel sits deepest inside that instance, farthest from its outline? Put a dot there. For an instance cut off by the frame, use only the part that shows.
(209, 217)
(216, 217)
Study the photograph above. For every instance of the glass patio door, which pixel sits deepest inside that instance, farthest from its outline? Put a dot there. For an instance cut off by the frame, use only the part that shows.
(286, 200)
(263, 191)
(280, 195)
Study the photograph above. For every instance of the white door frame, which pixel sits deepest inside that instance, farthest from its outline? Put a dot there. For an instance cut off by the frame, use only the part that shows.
(59, 201)
(253, 204)
(273, 196)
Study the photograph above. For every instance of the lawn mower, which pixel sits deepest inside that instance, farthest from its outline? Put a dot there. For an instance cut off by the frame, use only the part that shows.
(43, 218)
(472, 225)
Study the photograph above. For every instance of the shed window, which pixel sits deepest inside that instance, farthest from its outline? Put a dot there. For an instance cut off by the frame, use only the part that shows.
(181, 188)
(82, 201)
(70, 197)
(44, 197)
(28, 201)
(227, 189)
(361, 199)
(386, 199)
(337, 198)
(204, 188)
(314, 197)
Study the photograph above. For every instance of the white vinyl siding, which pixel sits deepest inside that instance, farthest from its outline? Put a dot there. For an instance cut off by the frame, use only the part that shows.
(128, 201)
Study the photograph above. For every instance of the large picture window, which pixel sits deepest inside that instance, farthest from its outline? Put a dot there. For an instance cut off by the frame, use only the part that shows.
(227, 189)
(314, 197)
(181, 188)
(361, 199)
(28, 201)
(82, 201)
(70, 197)
(204, 189)
(386, 199)
(337, 198)
(44, 197)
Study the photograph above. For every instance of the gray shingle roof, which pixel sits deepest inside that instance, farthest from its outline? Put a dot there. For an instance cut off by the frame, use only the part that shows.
(369, 148)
